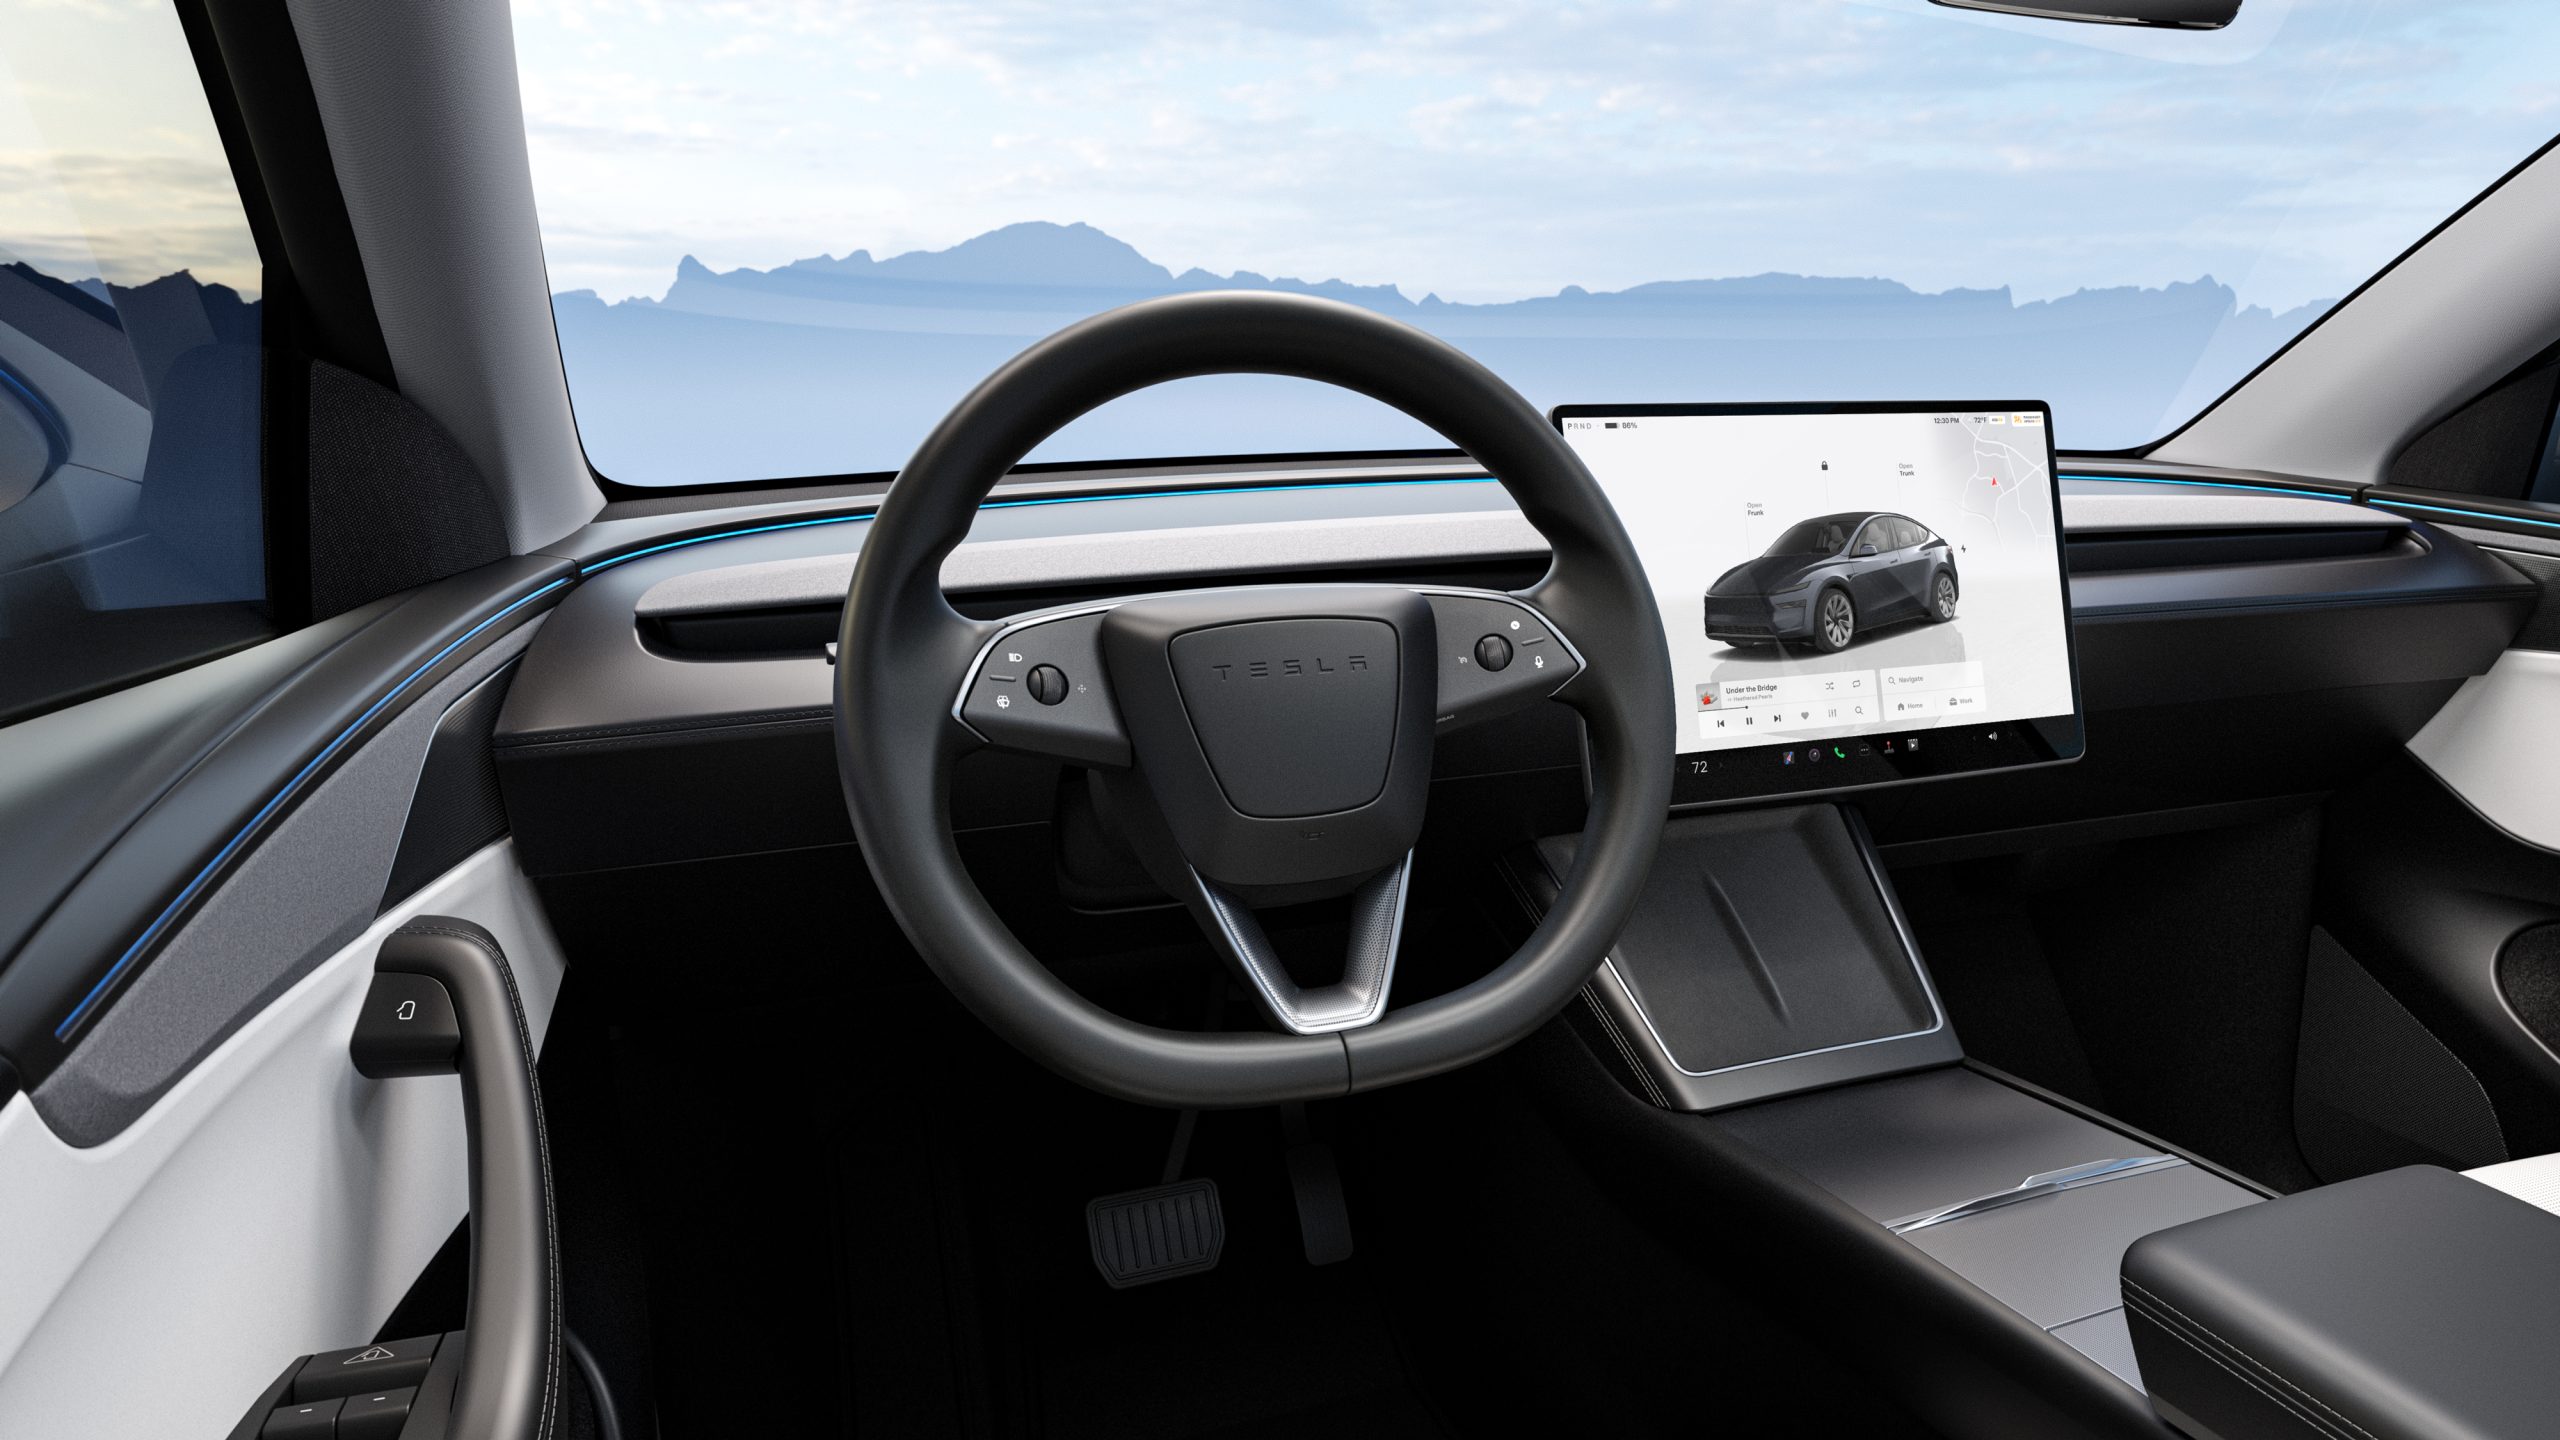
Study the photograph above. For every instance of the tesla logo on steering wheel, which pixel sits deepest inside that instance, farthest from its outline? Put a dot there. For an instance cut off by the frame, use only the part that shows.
(1266, 669)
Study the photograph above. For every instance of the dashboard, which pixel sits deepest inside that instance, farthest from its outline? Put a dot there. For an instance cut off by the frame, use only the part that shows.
(2234, 646)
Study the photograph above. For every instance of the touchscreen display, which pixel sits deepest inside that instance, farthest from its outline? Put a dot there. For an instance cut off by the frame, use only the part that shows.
(1852, 594)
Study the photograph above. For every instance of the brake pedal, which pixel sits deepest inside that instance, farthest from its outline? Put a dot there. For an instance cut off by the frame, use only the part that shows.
(1142, 1236)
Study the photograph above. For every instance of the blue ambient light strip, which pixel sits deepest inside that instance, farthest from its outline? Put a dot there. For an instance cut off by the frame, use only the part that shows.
(2215, 485)
(124, 962)
(2468, 514)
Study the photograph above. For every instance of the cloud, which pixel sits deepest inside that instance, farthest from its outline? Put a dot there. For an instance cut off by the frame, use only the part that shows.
(1506, 147)
(127, 218)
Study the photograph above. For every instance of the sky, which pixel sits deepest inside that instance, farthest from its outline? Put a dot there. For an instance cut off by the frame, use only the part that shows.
(1482, 149)
(109, 165)
(1494, 149)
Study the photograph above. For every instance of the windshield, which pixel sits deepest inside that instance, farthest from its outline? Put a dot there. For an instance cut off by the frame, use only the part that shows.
(786, 237)
(1813, 537)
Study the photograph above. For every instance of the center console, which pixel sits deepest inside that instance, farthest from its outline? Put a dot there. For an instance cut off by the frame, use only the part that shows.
(1770, 1003)
(1855, 596)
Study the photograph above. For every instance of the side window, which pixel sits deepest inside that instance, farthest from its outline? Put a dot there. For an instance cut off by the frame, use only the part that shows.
(1905, 534)
(1877, 532)
(131, 526)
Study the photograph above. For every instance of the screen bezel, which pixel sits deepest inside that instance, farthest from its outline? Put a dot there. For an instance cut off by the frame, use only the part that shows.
(2056, 739)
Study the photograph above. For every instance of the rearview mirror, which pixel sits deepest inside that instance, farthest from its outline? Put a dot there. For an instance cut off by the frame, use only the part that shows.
(1866, 550)
(2165, 14)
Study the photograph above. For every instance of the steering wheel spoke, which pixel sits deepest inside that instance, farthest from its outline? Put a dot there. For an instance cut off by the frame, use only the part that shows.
(1368, 958)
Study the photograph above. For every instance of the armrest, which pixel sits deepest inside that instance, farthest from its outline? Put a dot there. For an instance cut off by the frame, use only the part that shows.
(2411, 1305)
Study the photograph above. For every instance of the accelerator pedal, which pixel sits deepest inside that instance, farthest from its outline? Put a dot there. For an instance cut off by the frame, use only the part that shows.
(1142, 1236)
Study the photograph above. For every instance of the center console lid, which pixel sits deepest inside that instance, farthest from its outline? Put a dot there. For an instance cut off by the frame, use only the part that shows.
(2414, 1304)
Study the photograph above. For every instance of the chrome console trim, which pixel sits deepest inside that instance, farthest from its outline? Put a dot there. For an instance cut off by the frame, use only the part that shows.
(2051, 1182)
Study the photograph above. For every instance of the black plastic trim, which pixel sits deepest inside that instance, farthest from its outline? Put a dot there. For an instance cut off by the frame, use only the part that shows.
(457, 807)
(270, 125)
(2425, 894)
(1968, 1363)
(2477, 512)
(2432, 566)
(2101, 1118)
(2099, 552)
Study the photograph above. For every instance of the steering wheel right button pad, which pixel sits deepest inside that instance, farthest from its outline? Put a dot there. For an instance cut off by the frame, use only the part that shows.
(1478, 629)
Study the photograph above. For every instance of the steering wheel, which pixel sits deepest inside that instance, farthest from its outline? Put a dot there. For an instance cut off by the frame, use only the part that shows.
(1259, 744)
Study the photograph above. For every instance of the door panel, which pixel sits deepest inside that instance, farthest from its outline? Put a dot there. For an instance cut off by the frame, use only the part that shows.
(183, 819)
(195, 1175)
(316, 878)
(273, 1202)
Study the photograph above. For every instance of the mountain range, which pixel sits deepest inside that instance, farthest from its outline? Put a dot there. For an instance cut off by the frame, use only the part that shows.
(835, 364)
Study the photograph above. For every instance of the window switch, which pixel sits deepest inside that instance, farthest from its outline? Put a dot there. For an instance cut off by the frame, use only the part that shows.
(366, 1369)
(309, 1420)
(376, 1414)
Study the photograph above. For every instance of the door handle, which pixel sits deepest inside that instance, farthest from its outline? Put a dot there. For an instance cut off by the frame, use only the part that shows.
(444, 1001)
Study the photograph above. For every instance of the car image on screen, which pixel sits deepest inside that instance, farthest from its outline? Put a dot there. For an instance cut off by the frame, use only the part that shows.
(1832, 578)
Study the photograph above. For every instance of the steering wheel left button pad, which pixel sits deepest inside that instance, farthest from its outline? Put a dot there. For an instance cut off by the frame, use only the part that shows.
(1039, 687)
